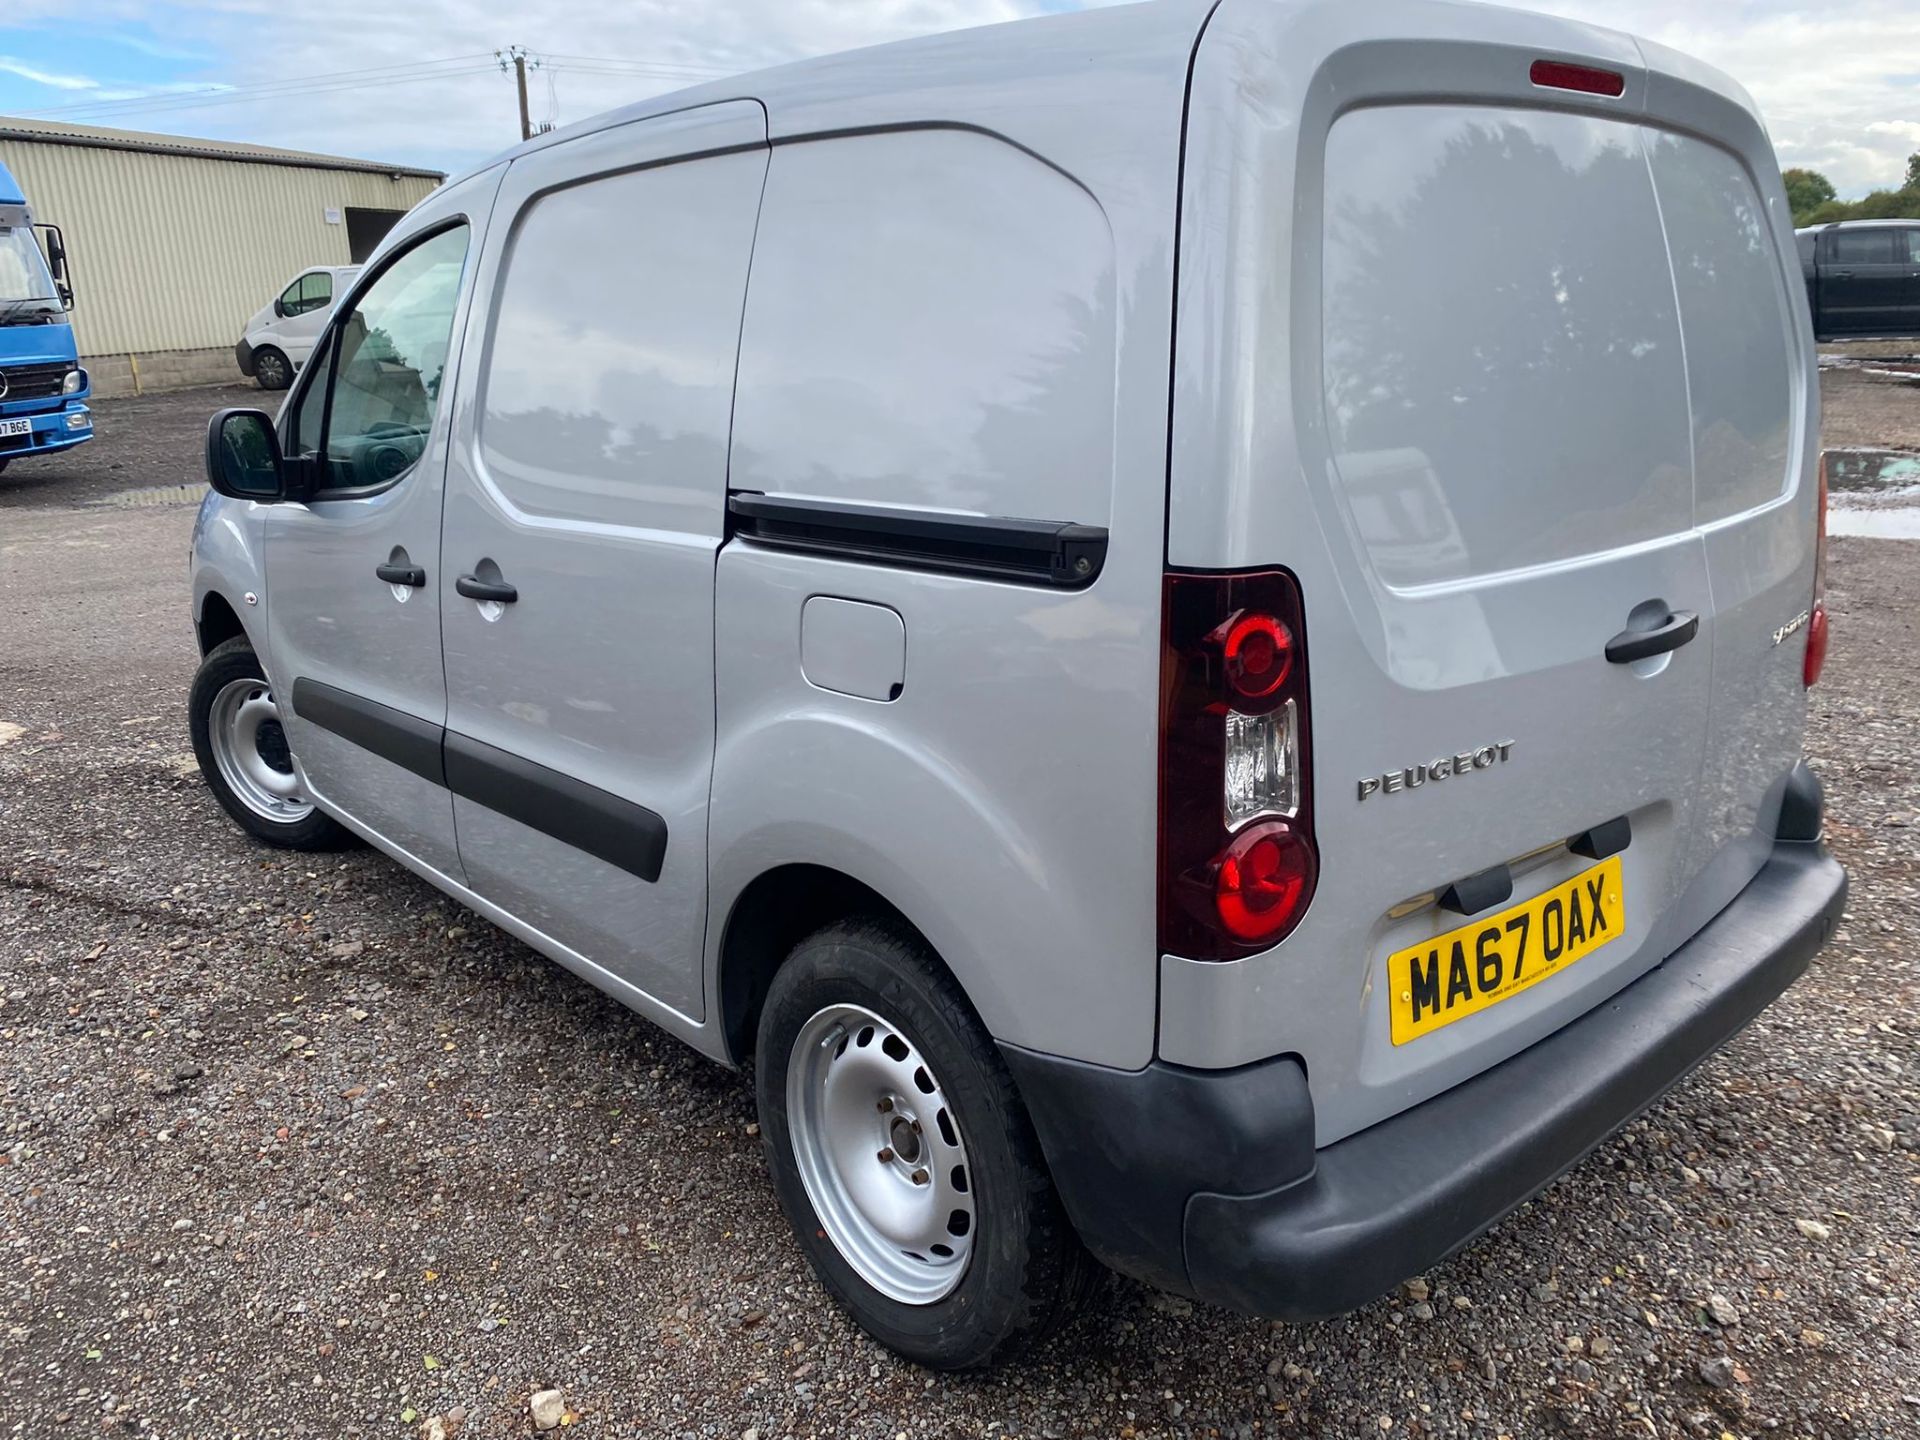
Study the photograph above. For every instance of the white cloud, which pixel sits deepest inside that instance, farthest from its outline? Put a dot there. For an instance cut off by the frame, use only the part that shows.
(46, 77)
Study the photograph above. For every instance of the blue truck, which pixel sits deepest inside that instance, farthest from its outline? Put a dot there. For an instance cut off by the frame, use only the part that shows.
(43, 390)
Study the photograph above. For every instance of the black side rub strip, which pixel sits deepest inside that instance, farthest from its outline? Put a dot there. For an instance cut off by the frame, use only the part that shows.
(407, 740)
(571, 811)
(1047, 552)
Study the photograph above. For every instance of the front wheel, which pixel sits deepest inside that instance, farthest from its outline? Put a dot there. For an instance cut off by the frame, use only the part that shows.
(903, 1157)
(242, 749)
(272, 369)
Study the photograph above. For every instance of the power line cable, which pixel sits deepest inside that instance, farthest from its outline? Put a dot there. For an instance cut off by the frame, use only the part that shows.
(615, 60)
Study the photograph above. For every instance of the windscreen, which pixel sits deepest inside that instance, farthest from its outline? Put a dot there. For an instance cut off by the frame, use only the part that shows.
(25, 283)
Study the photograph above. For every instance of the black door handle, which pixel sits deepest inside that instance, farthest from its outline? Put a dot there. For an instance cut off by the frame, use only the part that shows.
(475, 588)
(402, 575)
(1677, 629)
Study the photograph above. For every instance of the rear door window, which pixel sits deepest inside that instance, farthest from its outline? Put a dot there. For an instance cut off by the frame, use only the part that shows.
(1734, 313)
(1864, 247)
(1502, 369)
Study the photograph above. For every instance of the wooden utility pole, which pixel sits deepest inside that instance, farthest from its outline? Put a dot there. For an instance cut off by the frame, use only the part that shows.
(517, 54)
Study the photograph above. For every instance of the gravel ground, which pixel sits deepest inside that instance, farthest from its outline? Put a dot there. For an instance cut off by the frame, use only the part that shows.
(294, 1147)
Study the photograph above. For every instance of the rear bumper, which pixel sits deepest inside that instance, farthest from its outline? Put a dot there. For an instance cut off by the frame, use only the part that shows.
(1208, 1183)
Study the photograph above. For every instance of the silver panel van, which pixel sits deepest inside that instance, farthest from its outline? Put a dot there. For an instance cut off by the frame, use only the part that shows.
(1187, 626)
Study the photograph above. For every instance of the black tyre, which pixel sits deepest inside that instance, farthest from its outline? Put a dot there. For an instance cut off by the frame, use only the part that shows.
(903, 1156)
(271, 368)
(242, 750)
(3, 461)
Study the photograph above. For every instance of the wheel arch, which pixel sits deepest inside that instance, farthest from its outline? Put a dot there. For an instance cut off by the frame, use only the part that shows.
(775, 911)
(217, 622)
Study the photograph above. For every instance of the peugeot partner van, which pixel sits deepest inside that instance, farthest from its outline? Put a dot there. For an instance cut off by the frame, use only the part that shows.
(1187, 626)
(281, 334)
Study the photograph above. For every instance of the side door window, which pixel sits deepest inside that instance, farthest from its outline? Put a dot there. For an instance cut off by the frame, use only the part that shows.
(316, 290)
(290, 298)
(366, 414)
(1863, 247)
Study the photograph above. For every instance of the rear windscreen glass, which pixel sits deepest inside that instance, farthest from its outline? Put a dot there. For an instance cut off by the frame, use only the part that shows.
(1504, 379)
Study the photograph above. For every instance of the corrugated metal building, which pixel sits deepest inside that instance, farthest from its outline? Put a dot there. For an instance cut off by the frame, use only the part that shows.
(173, 243)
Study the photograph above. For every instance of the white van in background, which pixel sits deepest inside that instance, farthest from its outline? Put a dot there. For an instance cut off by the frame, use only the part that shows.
(280, 336)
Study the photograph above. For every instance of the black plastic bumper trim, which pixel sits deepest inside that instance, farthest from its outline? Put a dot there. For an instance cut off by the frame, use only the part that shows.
(1046, 552)
(1208, 1182)
(1129, 1147)
(406, 740)
(597, 821)
(1394, 1199)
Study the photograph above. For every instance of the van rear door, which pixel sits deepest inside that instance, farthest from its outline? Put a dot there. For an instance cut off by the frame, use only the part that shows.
(1748, 378)
(1509, 456)
(1433, 358)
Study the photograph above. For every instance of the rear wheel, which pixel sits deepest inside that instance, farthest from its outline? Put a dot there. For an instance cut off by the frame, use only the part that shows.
(3, 461)
(242, 749)
(903, 1156)
(272, 369)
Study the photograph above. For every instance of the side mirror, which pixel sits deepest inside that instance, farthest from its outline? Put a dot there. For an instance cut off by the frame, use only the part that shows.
(243, 456)
(279, 307)
(57, 262)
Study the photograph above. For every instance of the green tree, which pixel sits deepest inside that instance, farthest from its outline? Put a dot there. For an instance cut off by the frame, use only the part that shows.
(1807, 191)
(1913, 172)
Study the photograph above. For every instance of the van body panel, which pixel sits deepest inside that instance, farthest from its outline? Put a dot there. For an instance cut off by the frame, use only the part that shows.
(1432, 356)
(1010, 361)
(589, 472)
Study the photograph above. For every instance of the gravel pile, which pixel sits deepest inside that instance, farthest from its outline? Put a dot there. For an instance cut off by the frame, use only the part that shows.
(294, 1147)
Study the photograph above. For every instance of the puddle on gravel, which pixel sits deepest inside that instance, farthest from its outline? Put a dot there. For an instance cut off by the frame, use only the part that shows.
(154, 495)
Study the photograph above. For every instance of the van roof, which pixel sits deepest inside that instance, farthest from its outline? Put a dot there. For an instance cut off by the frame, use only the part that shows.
(933, 76)
(1022, 77)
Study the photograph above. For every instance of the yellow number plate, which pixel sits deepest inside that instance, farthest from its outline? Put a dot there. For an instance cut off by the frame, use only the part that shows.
(1453, 975)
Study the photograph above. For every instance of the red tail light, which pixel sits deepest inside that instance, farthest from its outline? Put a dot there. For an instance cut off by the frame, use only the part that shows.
(1558, 75)
(1816, 657)
(1237, 858)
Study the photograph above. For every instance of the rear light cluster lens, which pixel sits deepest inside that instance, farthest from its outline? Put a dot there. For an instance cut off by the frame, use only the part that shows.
(1263, 882)
(1816, 656)
(1237, 859)
(1259, 654)
(1263, 756)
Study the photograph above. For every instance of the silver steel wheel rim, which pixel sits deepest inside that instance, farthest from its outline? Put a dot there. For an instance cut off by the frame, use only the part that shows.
(244, 714)
(270, 369)
(880, 1152)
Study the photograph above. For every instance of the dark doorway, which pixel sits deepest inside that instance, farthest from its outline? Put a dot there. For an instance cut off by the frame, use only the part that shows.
(367, 228)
